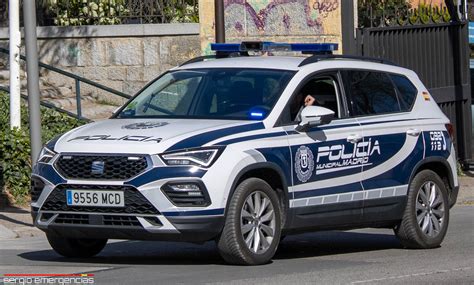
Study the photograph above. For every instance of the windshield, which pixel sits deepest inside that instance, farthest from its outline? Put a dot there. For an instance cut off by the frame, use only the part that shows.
(233, 93)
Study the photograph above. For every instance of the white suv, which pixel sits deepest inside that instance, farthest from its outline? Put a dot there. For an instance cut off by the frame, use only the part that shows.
(226, 150)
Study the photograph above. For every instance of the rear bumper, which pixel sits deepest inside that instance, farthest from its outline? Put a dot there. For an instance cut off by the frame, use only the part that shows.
(187, 229)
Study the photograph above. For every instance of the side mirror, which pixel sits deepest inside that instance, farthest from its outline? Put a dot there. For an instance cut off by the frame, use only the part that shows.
(313, 116)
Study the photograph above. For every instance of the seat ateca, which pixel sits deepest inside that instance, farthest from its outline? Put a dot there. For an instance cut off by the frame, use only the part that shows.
(244, 149)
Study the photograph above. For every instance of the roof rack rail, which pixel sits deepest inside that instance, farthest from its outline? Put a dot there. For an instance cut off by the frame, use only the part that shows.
(198, 59)
(320, 57)
(214, 56)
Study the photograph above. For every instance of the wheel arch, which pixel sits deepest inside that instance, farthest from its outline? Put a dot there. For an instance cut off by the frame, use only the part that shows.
(270, 173)
(441, 167)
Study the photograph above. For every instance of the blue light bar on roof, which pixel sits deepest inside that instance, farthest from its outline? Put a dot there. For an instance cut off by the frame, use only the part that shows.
(271, 46)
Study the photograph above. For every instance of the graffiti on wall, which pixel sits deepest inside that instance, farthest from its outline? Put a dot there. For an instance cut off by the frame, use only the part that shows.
(274, 20)
(277, 17)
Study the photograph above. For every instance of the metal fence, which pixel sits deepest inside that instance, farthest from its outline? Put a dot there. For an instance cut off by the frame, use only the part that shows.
(402, 14)
(107, 12)
(439, 54)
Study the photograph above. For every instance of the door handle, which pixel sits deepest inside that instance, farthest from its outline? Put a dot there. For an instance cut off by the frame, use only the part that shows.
(354, 138)
(413, 132)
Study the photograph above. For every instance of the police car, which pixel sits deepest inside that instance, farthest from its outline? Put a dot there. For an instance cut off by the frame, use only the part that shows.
(231, 149)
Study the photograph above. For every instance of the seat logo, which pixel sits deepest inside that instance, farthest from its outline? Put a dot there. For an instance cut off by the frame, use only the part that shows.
(304, 163)
(97, 167)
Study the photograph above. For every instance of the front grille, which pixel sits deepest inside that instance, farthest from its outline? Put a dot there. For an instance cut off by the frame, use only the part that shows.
(109, 167)
(72, 219)
(97, 220)
(36, 188)
(123, 221)
(135, 202)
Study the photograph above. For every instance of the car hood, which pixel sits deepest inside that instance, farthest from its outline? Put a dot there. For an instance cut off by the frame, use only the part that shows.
(148, 136)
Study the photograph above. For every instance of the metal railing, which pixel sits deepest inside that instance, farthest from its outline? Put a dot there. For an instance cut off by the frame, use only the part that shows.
(77, 82)
(48, 105)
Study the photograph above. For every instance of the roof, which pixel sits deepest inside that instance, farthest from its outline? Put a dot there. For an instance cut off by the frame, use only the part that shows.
(291, 63)
(268, 62)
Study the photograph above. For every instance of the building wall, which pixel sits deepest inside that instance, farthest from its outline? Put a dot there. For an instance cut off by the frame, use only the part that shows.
(123, 57)
(274, 20)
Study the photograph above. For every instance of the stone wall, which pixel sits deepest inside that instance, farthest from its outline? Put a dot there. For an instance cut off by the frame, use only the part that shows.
(123, 57)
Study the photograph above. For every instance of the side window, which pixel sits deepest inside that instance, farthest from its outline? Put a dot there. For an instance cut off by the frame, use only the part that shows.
(320, 91)
(372, 93)
(406, 91)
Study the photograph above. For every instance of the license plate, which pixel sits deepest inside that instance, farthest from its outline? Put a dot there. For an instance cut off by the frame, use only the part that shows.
(95, 198)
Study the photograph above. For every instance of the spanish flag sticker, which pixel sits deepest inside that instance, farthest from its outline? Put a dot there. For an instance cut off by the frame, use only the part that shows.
(426, 96)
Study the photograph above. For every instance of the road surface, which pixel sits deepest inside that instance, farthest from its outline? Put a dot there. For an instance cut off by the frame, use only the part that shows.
(369, 256)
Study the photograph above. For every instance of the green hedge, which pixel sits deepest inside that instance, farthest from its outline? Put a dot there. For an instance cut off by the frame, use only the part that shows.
(15, 145)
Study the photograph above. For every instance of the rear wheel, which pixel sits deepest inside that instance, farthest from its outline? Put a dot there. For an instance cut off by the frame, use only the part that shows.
(426, 217)
(72, 247)
(253, 223)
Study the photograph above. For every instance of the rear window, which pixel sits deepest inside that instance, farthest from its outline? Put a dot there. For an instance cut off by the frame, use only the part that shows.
(406, 91)
(372, 93)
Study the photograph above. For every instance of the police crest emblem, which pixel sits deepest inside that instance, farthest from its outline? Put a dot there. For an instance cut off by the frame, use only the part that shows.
(304, 163)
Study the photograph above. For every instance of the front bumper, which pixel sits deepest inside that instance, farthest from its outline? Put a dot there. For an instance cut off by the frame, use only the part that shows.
(149, 213)
(133, 227)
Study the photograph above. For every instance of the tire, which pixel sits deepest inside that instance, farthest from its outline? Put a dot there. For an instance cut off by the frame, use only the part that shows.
(72, 247)
(235, 244)
(425, 220)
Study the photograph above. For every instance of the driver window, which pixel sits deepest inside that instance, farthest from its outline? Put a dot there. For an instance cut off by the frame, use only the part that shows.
(320, 91)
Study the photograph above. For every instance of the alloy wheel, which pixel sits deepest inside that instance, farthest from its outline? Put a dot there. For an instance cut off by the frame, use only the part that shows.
(430, 209)
(257, 222)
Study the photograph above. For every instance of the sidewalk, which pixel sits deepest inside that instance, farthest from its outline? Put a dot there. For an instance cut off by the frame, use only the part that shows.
(466, 191)
(17, 222)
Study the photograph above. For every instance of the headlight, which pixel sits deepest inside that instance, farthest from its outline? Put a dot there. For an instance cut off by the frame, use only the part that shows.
(199, 157)
(46, 155)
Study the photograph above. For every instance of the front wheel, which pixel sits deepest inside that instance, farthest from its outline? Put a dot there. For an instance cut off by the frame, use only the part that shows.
(426, 216)
(73, 247)
(253, 224)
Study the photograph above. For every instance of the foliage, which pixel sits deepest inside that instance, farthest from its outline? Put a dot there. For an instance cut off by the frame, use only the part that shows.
(424, 14)
(372, 12)
(86, 12)
(181, 12)
(15, 145)
(110, 12)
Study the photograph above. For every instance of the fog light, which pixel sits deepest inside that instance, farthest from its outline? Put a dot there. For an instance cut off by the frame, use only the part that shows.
(185, 187)
(186, 194)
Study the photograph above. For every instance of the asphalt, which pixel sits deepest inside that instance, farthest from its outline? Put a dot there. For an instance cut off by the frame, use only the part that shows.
(368, 256)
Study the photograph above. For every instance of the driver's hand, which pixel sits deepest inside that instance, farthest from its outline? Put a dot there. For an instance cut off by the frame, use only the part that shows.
(309, 101)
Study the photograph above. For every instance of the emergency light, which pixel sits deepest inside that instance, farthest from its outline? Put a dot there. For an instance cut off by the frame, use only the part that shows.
(307, 48)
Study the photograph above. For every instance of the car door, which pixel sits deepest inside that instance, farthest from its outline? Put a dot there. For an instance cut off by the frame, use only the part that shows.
(381, 103)
(326, 171)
